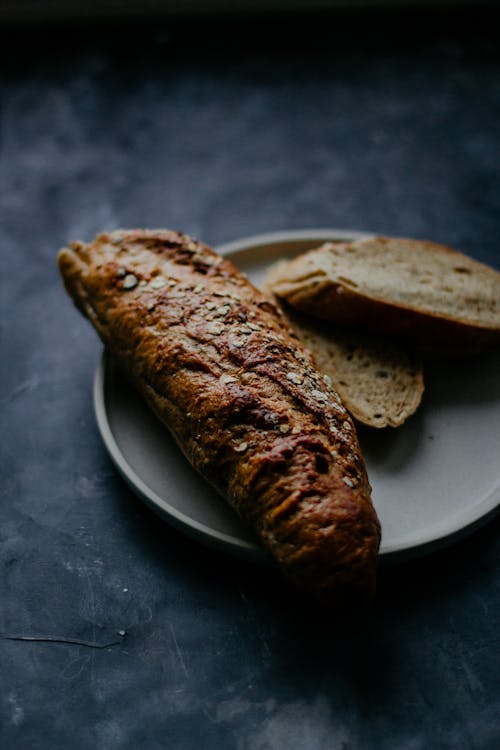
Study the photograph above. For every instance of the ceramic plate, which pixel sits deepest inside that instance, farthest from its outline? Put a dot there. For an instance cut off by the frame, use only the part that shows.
(434, 479)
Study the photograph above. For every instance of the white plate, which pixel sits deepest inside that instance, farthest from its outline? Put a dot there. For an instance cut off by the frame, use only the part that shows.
(434, 479)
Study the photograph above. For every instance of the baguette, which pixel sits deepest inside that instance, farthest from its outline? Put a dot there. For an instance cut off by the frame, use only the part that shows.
(439, 298)
(221, 368)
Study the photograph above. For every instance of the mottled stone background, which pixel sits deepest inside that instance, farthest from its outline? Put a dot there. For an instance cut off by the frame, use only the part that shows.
(224, 128)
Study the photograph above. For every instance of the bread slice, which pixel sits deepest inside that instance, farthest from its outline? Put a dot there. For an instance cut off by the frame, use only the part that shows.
(380, 384)
(423, 291)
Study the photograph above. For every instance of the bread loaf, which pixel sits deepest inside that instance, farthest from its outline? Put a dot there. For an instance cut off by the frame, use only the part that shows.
(221, 368)
(427, 293)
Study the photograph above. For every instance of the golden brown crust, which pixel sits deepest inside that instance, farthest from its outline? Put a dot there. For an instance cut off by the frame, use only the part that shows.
(222, 369)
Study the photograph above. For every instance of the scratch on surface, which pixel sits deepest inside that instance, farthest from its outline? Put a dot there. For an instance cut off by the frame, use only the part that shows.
(58, 639)
(78, 665)
(92, 615)
(27, 385)
(179, 652)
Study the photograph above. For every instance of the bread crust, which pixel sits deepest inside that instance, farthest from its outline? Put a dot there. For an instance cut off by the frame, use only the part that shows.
(305, 285)
(223, 371)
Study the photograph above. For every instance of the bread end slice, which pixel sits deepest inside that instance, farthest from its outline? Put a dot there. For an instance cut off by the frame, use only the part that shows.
(438, 297)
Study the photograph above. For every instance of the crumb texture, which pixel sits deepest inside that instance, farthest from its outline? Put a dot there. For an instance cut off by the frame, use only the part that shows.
(380, 384)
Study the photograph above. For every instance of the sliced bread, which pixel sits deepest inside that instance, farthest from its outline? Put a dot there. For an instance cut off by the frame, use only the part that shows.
(423, 291)
(379, 383)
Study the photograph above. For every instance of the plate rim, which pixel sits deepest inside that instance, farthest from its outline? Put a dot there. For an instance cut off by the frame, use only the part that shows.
(441, 535)
(297, 235)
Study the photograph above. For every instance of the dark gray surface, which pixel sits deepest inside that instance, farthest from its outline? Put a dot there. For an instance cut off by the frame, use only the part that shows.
(389, 129)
